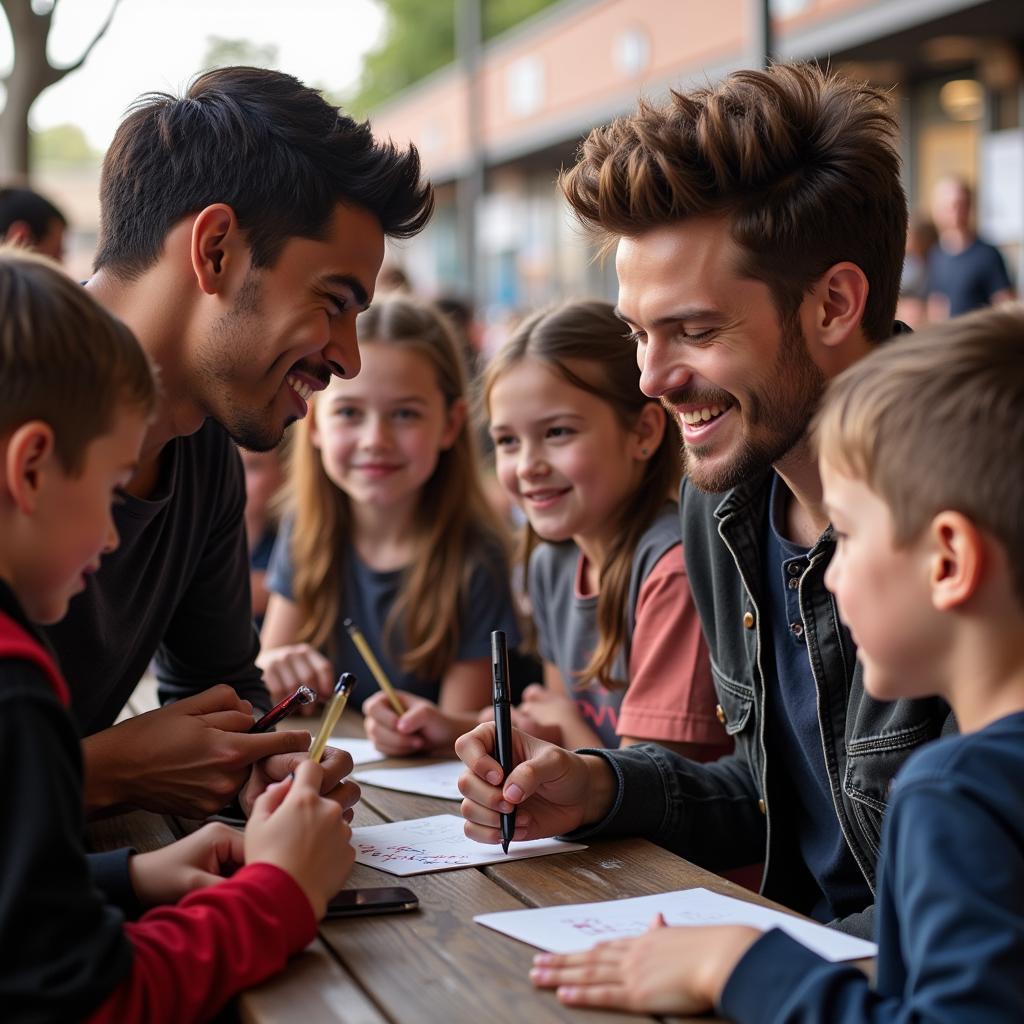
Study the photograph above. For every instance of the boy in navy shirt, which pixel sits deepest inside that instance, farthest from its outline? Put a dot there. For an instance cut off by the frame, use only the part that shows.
(920, 446)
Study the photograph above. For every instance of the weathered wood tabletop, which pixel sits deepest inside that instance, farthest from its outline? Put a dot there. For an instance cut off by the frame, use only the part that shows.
(435, 964)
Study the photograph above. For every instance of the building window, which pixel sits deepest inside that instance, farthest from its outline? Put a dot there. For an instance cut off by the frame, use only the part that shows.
(524, 86)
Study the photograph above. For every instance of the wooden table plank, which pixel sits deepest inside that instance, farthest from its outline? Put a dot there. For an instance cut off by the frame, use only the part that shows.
(612, 869)
(314, 989)
(141, 829)
(437, 955)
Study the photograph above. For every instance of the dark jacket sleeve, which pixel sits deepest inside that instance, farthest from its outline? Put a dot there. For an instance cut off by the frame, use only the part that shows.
(211, 638)
(707, 813)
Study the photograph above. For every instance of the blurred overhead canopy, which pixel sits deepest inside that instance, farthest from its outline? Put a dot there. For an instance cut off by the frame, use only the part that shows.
(420, 38)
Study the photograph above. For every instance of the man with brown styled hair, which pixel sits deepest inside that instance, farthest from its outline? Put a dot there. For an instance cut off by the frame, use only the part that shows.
(759, 228)
(242, 230)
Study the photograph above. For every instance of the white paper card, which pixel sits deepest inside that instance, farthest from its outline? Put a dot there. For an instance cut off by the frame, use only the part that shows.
(437, 844)
(362, 751)
(576, 927)
(441, 780)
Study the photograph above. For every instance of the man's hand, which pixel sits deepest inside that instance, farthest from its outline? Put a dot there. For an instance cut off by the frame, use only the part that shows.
(552, 790)
(665, 971)
(287, 668)
(335, 765)
(204, 858)
(188, 758)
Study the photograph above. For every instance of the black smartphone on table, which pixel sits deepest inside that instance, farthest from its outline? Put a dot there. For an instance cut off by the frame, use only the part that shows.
(387, 900)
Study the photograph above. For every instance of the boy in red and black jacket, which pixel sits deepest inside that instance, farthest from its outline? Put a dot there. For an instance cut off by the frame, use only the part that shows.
(76, 395)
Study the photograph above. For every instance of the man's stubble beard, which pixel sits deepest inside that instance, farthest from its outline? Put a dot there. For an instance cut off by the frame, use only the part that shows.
(783, 408)
(227, 352)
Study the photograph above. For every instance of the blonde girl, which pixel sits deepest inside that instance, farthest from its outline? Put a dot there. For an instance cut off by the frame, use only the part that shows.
(594, 464)
(388, 527)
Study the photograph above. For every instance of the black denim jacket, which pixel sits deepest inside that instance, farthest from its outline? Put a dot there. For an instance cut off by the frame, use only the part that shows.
(736, 810)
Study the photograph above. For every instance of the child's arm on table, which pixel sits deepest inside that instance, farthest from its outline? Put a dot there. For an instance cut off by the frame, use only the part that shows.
(665, 971)
(190, 958)
(551, 708)
(287, 664)
(426, 727)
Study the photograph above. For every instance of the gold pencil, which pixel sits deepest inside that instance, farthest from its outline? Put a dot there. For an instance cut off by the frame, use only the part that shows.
(373, 665)
(342, 688)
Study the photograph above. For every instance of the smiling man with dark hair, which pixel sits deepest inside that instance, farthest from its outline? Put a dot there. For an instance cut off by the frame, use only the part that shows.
(242, 230)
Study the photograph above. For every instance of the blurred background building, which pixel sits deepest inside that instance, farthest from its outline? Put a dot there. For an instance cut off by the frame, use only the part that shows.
(496, 125)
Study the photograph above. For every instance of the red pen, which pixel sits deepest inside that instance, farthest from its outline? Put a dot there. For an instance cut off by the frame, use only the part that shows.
(303, 695)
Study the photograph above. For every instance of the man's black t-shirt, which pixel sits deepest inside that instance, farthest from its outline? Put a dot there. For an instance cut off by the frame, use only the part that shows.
(177, 587)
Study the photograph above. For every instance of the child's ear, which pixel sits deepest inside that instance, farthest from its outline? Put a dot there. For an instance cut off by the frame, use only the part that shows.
(957, 560)
(217, 248)
(456, 420)
(649, 430)
(30, 456)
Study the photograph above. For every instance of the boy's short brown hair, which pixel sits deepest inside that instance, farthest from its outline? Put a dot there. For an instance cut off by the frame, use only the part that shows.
(935, 421)
(803, 164)
(63, 358)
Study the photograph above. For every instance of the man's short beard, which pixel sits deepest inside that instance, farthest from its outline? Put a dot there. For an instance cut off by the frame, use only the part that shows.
(254, 434)
(228, 351)
(785, 410)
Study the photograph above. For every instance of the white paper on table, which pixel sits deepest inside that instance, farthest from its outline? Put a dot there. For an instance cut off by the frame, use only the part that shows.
(428, 780)
(576, 927)
(362, 751)
(438, 843)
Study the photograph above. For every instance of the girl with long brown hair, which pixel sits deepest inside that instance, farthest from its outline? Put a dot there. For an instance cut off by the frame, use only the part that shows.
(595, 465)
(388, 527)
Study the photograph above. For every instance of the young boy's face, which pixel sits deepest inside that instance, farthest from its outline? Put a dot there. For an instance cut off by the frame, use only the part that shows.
(73, 524)
(882, 591)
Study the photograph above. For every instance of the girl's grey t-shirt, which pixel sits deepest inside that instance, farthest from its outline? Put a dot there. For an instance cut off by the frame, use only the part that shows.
(367, 596)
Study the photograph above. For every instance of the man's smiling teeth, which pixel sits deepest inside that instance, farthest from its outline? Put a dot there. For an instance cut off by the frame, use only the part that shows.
(304, 391)
(696, 416)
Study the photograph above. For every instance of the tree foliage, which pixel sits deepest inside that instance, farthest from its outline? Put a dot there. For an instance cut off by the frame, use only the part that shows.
(32, 72)
(222, 52)
(420, 38)
(63, 145)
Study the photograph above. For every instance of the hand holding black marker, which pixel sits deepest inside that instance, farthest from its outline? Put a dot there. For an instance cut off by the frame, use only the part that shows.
(502, 725)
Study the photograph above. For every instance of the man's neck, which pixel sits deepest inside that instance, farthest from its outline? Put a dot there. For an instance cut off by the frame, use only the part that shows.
(145, 306)
(805, 518)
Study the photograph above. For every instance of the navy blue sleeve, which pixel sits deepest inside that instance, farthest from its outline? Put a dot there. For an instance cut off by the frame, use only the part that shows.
(951, 929)
(111, 874)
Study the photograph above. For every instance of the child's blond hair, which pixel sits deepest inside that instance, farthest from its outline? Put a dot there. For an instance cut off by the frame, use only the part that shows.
(63, 358)
(935, 421)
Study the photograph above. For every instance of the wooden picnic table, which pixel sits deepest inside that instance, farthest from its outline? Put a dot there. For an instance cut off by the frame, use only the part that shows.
(435, 964)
